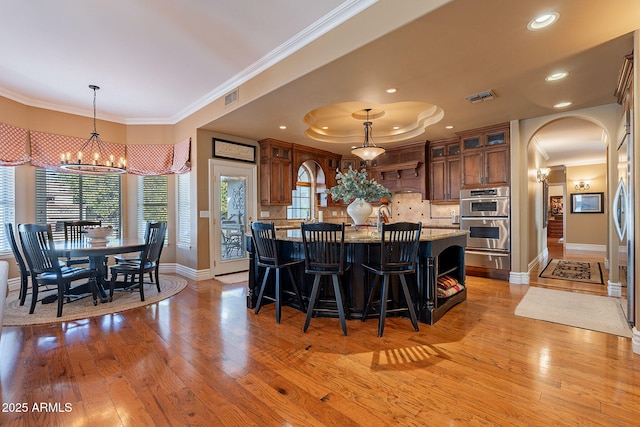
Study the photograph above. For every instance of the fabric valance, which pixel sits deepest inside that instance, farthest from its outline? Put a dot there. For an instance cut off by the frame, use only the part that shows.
(13, 145)
(149, 159)
(182, 157)
(46, 149)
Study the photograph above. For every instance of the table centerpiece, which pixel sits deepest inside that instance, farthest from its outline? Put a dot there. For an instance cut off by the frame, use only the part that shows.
(354, 188)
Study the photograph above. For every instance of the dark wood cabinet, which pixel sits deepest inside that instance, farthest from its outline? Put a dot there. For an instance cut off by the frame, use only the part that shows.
(485, 156)
(402, 169)
(276, 173)
(555, 228)
(444, 171)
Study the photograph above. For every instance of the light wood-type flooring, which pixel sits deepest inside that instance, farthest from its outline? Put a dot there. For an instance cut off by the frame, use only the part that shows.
(202, 358)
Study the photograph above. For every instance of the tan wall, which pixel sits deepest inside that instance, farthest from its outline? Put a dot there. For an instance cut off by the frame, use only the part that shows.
(587, 229)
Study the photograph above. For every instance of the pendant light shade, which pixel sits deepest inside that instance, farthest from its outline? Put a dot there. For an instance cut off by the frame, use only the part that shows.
(368, 150)
(93, 157)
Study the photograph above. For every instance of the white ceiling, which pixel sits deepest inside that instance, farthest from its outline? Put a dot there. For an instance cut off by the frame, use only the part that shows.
(159, 61)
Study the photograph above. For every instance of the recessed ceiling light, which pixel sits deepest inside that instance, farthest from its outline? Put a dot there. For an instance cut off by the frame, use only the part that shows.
(392, 90)
(325, 127)
(283, 127)
(396, 127)
(543, 21)
(448, 127)
(563, 104)
(556, 76)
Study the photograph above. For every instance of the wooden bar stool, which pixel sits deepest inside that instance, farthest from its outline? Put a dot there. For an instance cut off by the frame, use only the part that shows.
(398, 255)
(324, 255)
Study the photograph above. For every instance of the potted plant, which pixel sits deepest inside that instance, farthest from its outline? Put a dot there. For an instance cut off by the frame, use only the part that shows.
(354, 187)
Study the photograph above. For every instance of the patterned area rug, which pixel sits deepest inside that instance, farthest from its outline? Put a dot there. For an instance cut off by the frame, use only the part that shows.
(16, 315)
(579, 271)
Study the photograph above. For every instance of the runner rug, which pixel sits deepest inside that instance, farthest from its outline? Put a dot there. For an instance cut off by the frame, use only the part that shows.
(579, 271)
(16, 315)
(593, 312)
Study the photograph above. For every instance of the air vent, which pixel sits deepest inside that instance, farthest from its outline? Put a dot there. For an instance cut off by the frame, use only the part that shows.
(231, 97)
(483, 96)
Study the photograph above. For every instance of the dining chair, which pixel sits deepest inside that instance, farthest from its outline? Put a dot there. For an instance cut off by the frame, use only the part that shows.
(42, 257)
(148, 263)
(74, 232)
(119, 259)
(264, 238)
(399, 244)
(324, 255)
(22, 266)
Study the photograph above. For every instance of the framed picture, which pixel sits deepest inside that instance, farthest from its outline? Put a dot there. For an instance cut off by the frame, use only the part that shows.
(587, 203)
(233, 150)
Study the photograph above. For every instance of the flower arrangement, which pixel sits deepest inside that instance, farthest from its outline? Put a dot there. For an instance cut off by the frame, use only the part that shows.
(355, 185)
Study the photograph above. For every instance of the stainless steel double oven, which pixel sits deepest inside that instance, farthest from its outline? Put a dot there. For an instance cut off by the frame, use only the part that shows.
(484, 213)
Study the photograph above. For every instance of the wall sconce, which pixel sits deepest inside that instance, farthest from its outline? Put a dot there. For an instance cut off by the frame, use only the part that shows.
(543, 174)
(582, 185)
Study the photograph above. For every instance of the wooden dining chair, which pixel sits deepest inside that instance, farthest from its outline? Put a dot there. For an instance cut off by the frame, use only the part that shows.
(264, 239)
(22, 266)
(324, 256)
(148, 262)
(74, 232)
(398, 257)
(42, 257)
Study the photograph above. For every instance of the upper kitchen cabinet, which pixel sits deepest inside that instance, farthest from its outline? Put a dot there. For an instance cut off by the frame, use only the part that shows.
(444, 171)
(485, 156)
(276, 173)
(402, 169)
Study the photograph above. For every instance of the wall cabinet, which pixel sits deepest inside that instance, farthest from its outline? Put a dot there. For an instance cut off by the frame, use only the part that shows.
(444, 171)
(485, 156)
(402, 169)
(276, 173)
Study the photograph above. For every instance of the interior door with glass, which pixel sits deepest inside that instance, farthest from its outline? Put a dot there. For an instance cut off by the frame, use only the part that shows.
(232, 208)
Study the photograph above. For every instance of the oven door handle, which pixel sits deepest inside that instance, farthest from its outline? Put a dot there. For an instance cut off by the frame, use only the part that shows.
(506, 254)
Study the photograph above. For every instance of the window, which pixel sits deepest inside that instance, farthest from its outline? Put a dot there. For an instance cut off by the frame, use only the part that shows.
(184, 209)
(68, 196)
(7, 203)
(301, 197)
(152, 201)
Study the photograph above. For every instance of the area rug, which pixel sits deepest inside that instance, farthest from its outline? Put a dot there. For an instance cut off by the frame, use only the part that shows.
(579, 271)
(593, 312)
(16, 315)
(230, 279)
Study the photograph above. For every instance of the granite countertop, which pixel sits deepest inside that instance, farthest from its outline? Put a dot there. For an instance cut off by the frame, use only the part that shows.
(365, 234)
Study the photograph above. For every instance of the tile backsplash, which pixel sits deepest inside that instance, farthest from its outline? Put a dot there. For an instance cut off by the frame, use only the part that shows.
(404, 207)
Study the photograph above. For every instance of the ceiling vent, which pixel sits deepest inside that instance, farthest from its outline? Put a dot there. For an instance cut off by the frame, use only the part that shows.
(482, 96)
(231, 97)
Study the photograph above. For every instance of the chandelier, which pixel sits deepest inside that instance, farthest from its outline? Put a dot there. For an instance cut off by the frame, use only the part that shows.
(93, 157)
(368, 150)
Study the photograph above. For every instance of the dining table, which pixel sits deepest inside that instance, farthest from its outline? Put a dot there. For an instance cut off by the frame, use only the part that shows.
(97, 251)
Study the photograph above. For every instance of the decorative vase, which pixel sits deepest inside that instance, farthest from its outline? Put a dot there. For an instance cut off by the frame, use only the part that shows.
(359, 210)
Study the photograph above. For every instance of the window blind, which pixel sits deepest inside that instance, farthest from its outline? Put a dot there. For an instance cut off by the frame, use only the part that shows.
(7, 203)
(152, 201)
(68, 196)
(184, 209)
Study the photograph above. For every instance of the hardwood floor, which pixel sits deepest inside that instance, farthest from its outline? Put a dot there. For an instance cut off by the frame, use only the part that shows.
(202, 358)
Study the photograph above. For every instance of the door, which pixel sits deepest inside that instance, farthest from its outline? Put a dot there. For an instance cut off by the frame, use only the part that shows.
(232, 208)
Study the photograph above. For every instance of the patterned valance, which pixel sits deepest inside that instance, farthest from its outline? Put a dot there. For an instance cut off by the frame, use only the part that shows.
(46, 149)
(149, 159)
(13, 145)
(182, 157)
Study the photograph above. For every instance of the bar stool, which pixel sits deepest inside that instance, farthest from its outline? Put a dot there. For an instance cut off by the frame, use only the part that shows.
(398, 254)
(264, 238)
(324, 255)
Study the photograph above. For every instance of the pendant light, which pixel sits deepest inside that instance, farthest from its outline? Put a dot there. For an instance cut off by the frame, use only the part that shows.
(368, 150)
(93, 157)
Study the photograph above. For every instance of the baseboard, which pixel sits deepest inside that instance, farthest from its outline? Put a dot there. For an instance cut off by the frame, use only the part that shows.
(614, 289)
(541, 256)
(584, 247)
(518, 278)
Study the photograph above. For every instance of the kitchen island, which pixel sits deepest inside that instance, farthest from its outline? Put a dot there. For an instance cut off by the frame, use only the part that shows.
(441, 253)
